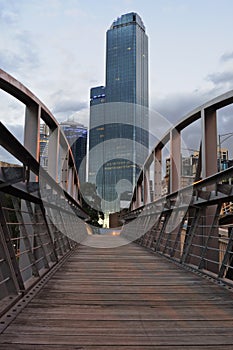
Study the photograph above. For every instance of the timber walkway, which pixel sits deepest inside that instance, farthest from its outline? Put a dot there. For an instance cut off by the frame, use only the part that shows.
(123, 298)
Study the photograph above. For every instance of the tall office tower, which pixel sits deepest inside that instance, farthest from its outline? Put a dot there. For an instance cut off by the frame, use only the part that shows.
(127, 61)
(44, 139)
(118, 139)
(76, 135)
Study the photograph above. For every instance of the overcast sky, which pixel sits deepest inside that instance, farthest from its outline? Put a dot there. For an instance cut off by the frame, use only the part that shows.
(57, 49)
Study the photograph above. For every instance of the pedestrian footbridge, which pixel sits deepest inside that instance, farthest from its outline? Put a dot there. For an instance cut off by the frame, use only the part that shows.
(121, 298)
(163, 280)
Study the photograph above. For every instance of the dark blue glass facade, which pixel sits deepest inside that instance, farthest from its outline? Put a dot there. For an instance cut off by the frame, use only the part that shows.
(118, 138)
(127, 61)
(76, 135)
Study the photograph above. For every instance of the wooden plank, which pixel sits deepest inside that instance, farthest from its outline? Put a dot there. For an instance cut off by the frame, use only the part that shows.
(103, 347)
(120, 331)
(123, 298)
(110, 340)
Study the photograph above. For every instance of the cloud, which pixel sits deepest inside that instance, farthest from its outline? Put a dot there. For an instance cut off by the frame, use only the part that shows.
(12, 110)
(9, 14)
(69, 106)
(175, 106)
(10, 61)
(21, 56)
(221, 78)
(27, 46)
(81, 117)
(16, 130)
(227, 56)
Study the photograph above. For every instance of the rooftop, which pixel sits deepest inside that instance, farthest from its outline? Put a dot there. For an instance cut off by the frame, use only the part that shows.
(128, 18)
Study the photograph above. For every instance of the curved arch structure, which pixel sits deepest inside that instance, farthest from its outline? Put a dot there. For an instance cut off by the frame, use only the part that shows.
(208, 151)
(41, 214)
(189, 224)
(58, 146)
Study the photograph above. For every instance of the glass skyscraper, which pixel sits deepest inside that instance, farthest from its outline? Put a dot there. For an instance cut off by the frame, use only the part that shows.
(118, 139)
(76, 135)
(127, 61)
(44, 139)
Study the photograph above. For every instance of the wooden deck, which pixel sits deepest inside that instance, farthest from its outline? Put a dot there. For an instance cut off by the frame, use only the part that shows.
(123, 298)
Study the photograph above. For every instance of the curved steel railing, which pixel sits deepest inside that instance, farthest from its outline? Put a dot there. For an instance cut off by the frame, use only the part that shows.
(38, 215)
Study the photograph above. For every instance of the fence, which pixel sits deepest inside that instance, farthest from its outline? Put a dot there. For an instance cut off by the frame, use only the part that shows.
(190, 226)
(38, 223)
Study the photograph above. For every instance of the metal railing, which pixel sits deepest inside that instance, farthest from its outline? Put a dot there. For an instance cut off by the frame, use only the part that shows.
(190, 226)
(39, 217)
(38, 222)
(31, 244)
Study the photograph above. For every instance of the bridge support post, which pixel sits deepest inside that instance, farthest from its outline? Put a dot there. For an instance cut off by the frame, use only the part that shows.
(32, 132)
(70, 188)
(139, 196)
(53, 154)
(175, 158)
(209, 167)
(64, 167)
(209, 142)
(75, 191)
(146, 186)
(157, 173)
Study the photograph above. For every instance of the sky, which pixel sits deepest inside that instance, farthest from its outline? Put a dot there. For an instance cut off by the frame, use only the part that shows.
(56, 48)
